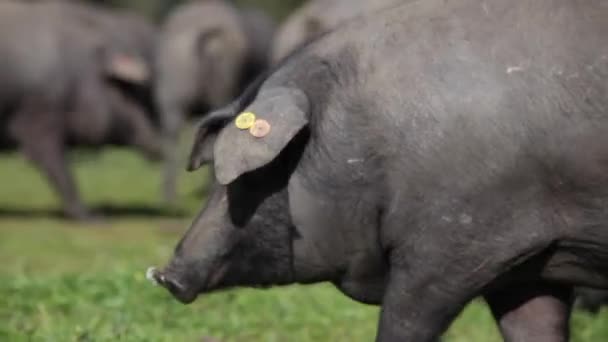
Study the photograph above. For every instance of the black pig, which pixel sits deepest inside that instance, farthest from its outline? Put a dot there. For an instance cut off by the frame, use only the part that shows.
(428, 155)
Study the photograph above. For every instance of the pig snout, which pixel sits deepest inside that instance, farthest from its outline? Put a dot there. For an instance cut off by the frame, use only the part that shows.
(170, 280)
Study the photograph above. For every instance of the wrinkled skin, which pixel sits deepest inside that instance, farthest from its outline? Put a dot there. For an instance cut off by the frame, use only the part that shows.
(55, 91)
(316, 17)
(419, 170)
(207, 51)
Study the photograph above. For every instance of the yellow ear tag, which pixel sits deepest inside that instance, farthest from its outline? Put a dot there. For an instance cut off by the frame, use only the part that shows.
(245, 120)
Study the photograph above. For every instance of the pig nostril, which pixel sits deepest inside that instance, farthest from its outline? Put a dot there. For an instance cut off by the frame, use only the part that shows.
(166, 280)
(171, 284)
(159, 278)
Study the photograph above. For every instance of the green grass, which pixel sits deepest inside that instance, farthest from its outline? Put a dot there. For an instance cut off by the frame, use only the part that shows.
(62, 281)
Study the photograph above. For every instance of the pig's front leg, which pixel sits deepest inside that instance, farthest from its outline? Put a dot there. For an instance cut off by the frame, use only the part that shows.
(418, 308)
(429, 284)
(532, 312)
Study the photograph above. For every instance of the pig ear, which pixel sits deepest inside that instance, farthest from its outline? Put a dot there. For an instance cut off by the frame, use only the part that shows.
(128, 68)
(206, 134)
(283, 113)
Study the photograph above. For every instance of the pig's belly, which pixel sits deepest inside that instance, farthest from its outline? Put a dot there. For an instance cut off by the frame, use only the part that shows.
(582, 261)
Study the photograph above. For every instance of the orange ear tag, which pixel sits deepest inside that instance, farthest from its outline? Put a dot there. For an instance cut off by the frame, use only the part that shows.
(245, 120)
(260, 128)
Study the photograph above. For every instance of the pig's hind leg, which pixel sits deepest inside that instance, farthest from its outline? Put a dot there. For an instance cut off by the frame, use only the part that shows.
(537, 312)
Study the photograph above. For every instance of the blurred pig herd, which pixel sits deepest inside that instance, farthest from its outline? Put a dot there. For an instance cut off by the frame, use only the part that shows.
(74, 73)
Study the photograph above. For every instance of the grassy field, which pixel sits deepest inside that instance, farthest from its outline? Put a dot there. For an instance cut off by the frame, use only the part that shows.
(61, 281)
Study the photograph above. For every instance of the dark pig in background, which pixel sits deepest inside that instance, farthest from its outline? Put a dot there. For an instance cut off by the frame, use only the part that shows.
(260, 30)
(56, 90)
(129, 41)
(125, 32)
(208, 51)
(417, 159)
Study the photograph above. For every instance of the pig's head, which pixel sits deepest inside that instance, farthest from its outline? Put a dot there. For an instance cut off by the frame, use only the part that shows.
(243, 236)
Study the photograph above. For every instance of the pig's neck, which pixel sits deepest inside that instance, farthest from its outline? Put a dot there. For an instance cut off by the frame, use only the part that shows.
(337, 238)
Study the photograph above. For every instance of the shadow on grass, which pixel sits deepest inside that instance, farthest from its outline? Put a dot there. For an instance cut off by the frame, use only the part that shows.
(104, 211)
